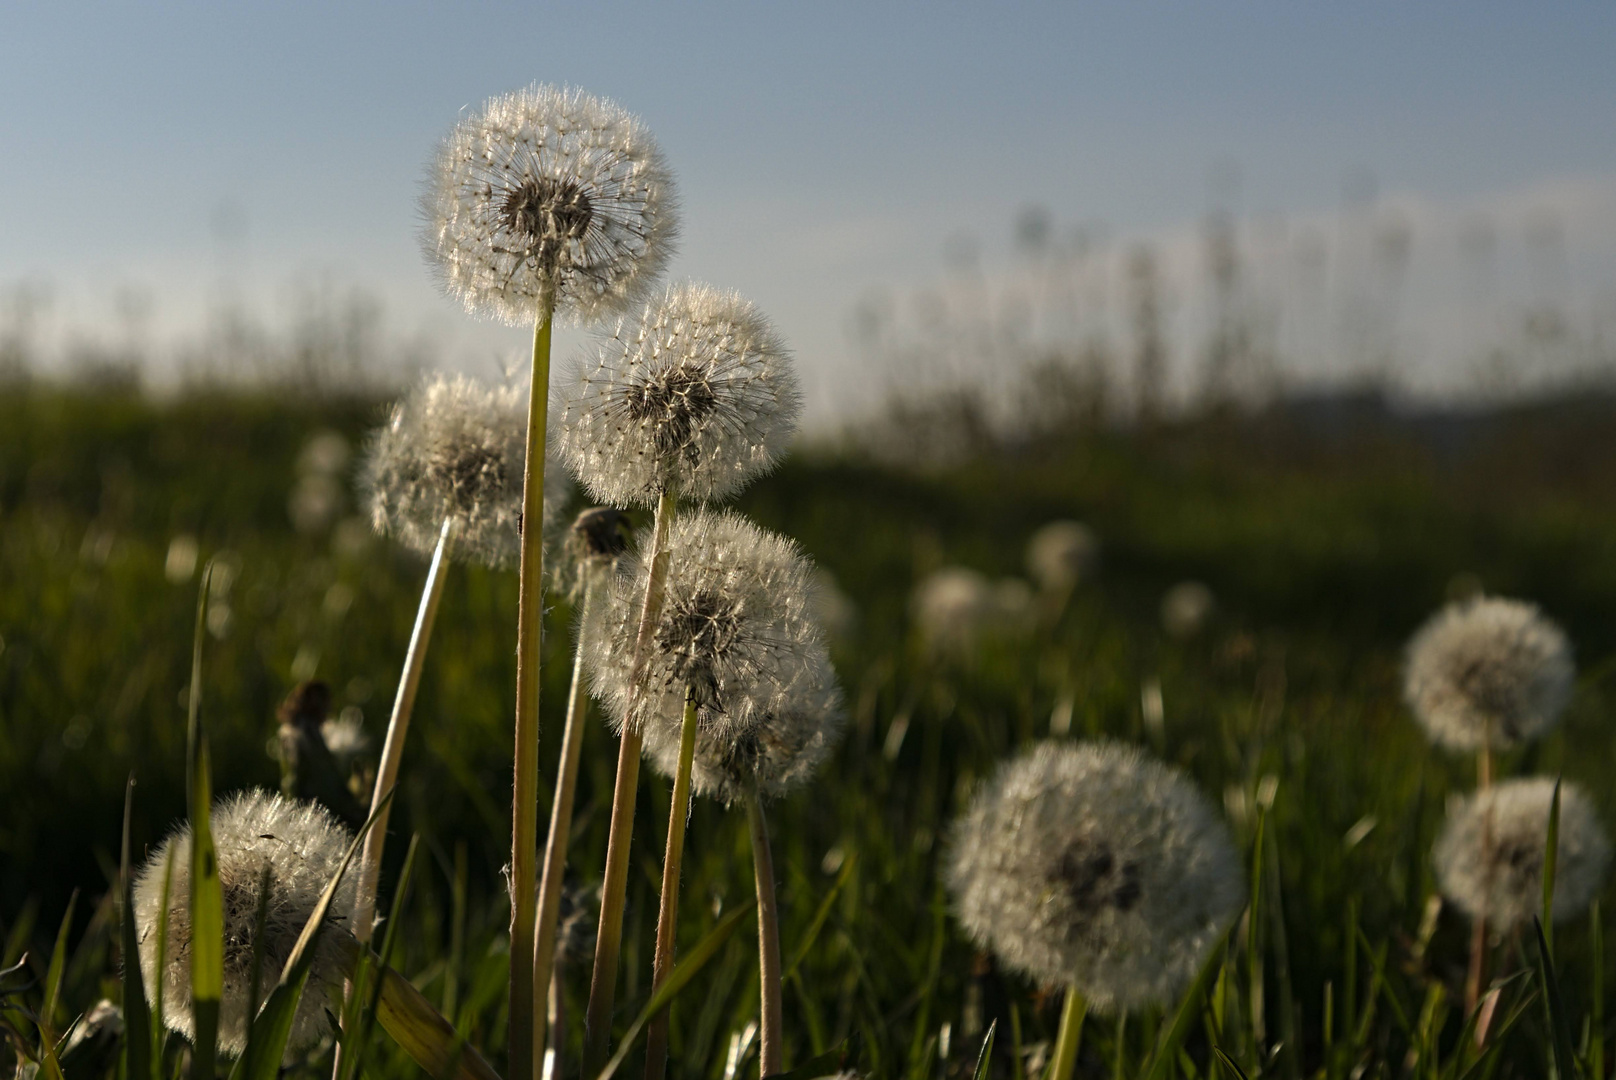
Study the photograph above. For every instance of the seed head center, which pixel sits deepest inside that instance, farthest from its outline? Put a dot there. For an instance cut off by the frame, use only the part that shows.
(543, 211)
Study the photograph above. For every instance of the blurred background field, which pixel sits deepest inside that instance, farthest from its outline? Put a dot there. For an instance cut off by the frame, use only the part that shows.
(1326, 528)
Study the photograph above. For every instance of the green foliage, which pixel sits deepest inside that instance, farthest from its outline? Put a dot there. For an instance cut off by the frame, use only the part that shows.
(1324, 553)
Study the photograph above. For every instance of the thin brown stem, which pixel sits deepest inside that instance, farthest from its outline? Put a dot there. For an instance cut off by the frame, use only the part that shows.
(1476, 976)
(525, 786)
(770, 1054)
(555, 848)
(656, 1039)
(614, 885)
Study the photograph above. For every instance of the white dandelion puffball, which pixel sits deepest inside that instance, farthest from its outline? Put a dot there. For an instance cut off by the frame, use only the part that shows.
(1489, 857)
(1062, 554)
(1092, 864)
(549, 193)
(778, 752)
(696, 396)
(952, 607)
(736, 631)
(1186, 608)
(455, 448)
(301, 845)
(1488, 671)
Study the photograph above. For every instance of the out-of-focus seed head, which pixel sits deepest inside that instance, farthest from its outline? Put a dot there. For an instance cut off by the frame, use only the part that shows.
(1489, 857)
(455, 448)
(1062, 554)
(594, 542)
(300, 845)
(1488, 671)
(953, 608)
(1186, 608)
(1095, 865)
(548, 192)
(736, 632)
(696, 396)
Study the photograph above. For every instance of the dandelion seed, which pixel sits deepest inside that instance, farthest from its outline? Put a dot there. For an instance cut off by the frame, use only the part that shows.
(1062, 554)
(736, 631)
(696, 396)
(300, 845)
(453, 449)
(1095, 866)
(1488, 672)
(548, 196)
(1489, 856)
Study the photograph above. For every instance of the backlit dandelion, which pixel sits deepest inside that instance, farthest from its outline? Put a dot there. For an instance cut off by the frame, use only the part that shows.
(1488, 672)
(300, 845)
(1489, 857)
(1062, 554)
(1095, 866)
(952, 608)
(695, 396)
(736, 632)
(548, 197)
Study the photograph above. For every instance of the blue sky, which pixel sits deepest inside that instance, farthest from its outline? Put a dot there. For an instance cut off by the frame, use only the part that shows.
(824, 150)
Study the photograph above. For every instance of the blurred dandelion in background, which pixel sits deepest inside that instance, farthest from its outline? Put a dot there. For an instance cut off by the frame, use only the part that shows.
(1488, 672)
(1186, 609)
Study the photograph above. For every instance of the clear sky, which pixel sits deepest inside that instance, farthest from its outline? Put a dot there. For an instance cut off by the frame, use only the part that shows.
(823, 150)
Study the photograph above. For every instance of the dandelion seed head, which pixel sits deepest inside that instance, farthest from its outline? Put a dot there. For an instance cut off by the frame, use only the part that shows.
(1093, 864)
(1061, 554)
(455, 448)
(1186, 608)
(301, 845)
(696, 395)
(591, 546)
(952, 608)
(1489, 857)
(549, 193)
(736, 632)
(1488, 671)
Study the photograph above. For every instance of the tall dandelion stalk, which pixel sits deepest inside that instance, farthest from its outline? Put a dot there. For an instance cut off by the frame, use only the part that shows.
(692, 399)
(546, 201)
(1482, 675)
(735, 691)
(1097, 869)
(594, 543)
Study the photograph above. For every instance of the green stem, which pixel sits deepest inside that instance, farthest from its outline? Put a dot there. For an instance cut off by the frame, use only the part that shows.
(1071, 1033)
(555, 848)
(614, 885)
(656, 1039)
(770, 1054)
(525, 788)
(398, 726)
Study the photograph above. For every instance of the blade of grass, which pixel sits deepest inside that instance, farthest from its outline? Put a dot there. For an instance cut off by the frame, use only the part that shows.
(827, 1064)
(1228, 1063)
(677, 978)
(53, 975)
(207, 895)
(984, 1057)
(1161, 1062)
(137, 1043)
(823, 914)
(1561, 1056)
(389, 937)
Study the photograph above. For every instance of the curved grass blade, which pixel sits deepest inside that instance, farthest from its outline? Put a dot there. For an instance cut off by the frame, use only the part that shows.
(682, 973)
(367, 1021)
(207, 895)
(1551, 866)
(1561, 1055)
(1230, 1066)
(984, 1059)
(823, 914)
(266, 1039)
(53, 975)
(1162, 1061)
(137, 1042)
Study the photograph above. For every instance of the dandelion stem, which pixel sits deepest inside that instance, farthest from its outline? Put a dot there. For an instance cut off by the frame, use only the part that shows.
(1476, 977)
(656, 1040)
(608, 938)
(1071, 1033)
(773, 1013)
(524, 789)
(555, 848)
(398, 726)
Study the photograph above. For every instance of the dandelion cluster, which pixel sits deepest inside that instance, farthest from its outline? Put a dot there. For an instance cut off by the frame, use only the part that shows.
(549, 195)
(736, 633)
(1489, 858)
(1488, 672)
(454, 449)
(696, 396)
(300, 845)
(1093, 865)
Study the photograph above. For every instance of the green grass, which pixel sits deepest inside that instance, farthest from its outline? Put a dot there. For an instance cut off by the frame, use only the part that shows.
(1324, 553)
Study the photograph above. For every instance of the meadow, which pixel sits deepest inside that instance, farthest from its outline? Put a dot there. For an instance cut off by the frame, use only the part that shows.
(1327, 532)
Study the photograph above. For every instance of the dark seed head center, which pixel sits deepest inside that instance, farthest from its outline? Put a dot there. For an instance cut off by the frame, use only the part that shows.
(1093, 878)
(543, 210)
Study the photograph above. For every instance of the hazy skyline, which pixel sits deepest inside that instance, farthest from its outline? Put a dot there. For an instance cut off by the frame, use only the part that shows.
(173, 155)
